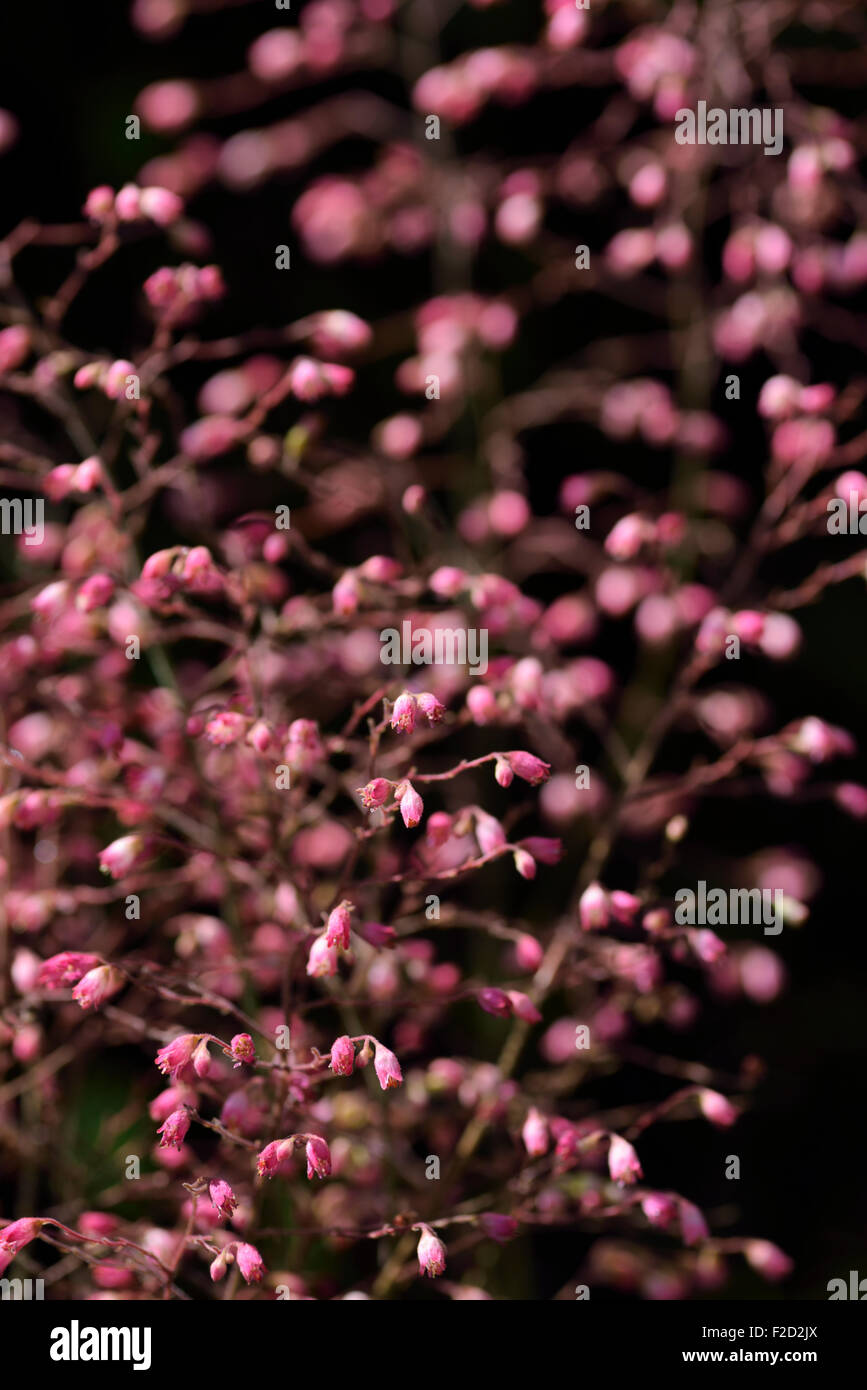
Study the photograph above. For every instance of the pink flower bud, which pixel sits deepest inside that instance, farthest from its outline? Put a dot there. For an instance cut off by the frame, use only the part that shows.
(98, 985)
(337, 932)
(318, 1157)
(14, 347)
(623, 1164)
(174, 1130)
(375, 794)
(161, 206)
(503, 773)
(659, 1209)
(67, 968)
(242, 1049)
(403, 713)
(768, 1259)
(251, 1264)
(177, 1055)
(716, 1108)
(528, 767)
(495, 1001)
(535, 1133)
(343, 1056)
(322, 958)
(387, 1068)
(692, 1224)
(524, 863)
(497, 1226)
(431, 1254)
(528, 952)
(222, 1197)
(593, 908)
(127, 204)
(523, 1007)
(411, 804)
(430, 707)
(123, 855)
(482, 704)
(377, 934)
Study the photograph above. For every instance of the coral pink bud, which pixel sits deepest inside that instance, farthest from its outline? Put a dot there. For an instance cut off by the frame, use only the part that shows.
(160, 205)
(65, 969)
(346, 594)
(447, 582)
(524, 863)
(544, 848)
(431, 1254)
(375, 794)
(399, 437)
(624, 906)
(127, 204)
(623, 1164)
(439, 828)
(226, 728)
(99, 203)
(852, 798)
(481, 703)
(219, 1265)
(659, 1209)
(503, 773)
(95, 592)
(14, 347)
(242, 1049)
(18, 1234)
(377, 934)
(768, 1259)
(716, 1108)
(336, 331)
(167, 106)
(337, 932)
(404, 712)
(818, 741)
(174, 1130)
(98, 985)
(222, 1197)
(413, 499)
(748, 625)
(528, 952)
(593, 908)
(273, 1154)
(528, 767)
(523, 1007)
(411, 804)
(497, 1226)
(124, 854)
(116, 378)
(251, 1264)
(318, 1157)
(260, 736)
(177, 1055)
(430, 707)
(381, 569)
(496, 1002)
(489, 833)
(387, 1068)
(627, 536)
(322, 958)
(343, 1056)
(535, 1133)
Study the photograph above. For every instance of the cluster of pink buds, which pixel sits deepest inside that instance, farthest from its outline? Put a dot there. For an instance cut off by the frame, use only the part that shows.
(133, 204)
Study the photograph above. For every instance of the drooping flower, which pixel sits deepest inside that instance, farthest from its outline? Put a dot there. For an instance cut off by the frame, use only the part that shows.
(222, 1197)
(387, 1068)
(343, 1056)
(98, 985)
(623, 1164)
(251, 1264)
(174, 1129)
(318, 1157)
(431, 1254)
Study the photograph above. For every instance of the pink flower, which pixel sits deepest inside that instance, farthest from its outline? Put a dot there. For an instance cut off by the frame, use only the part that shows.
(659, 1208)
(692, 1224)
(318, 1157)
(430, 707)
(177, 1055)
(523, 1007)
(98, 985)
(18, 1234)
(593, 907)
(496, 1002)
(535, 1133)
(431, 1254)
(175, 1128)
(322, 958)
(404, 712)
(124, 854)
(716, 1108)
(623, 1164)
(272, 1156)
(343, 1056)
(65, 969)
(528, 767)
(375, 793)
(411, 804)
(497, 1226)
(768, 1259)
(242, 1049)
(222, 1197)
(251, 1264)
(337, 931)
(387, 1068)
